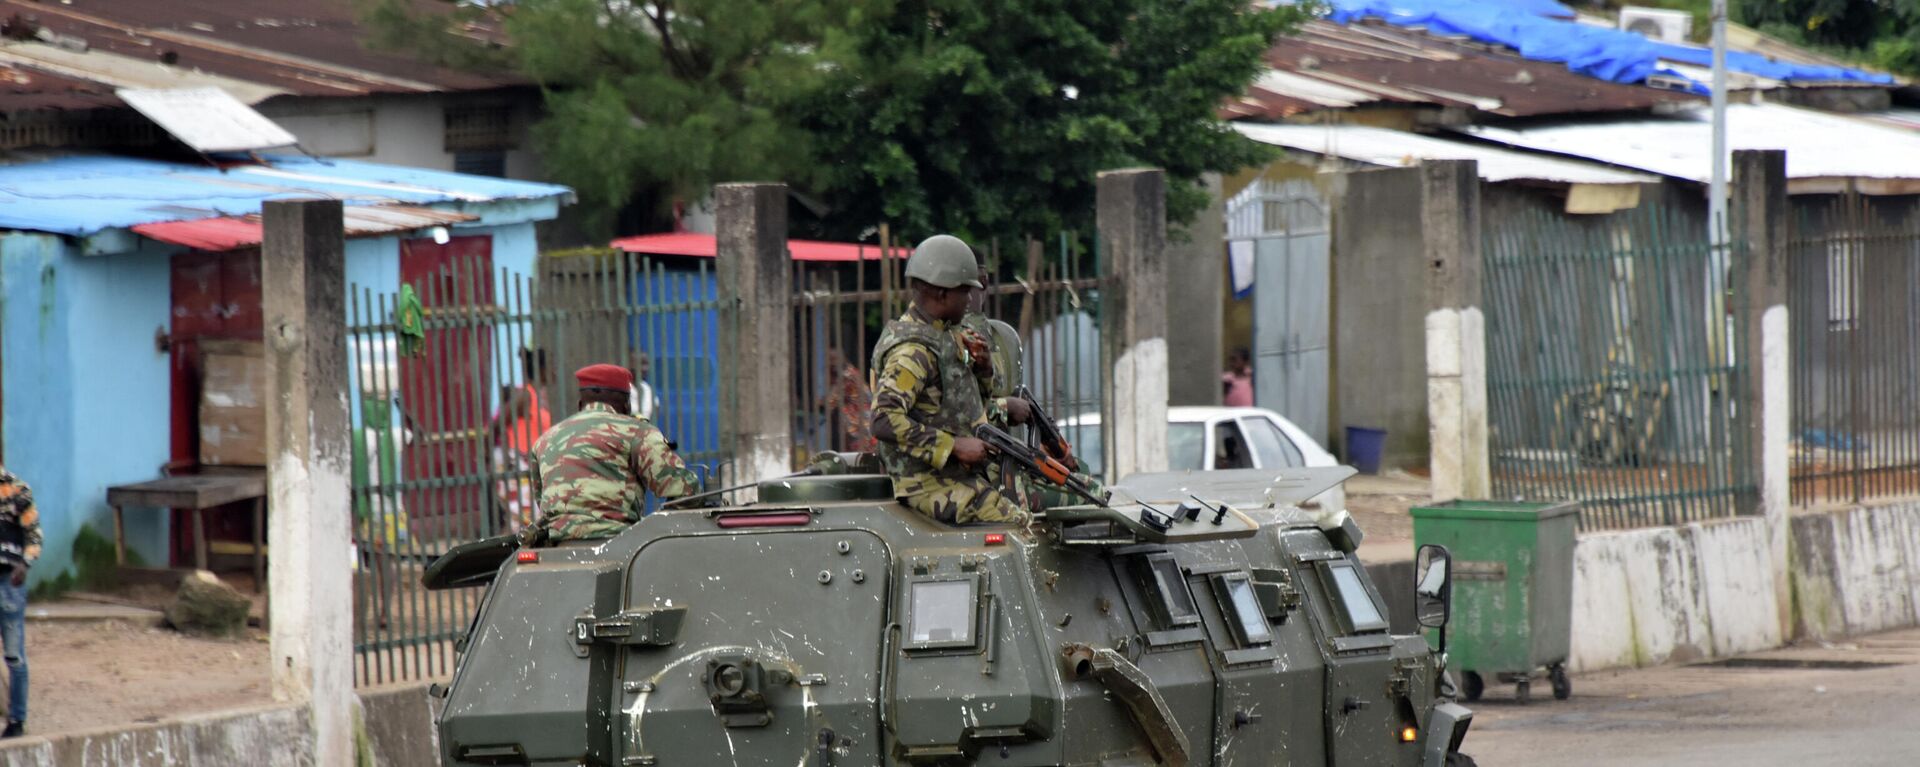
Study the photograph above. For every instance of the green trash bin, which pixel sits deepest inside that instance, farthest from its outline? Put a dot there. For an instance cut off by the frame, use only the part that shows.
(1512, 593)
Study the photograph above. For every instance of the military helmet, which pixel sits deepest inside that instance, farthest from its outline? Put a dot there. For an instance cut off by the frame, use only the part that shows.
(943, 261)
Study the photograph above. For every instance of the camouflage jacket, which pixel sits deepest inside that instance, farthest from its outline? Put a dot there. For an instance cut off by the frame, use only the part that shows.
(19, 521)
(592, 467)
(924, 395)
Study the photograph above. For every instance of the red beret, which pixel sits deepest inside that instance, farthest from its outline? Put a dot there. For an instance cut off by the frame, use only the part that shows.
(604, 376)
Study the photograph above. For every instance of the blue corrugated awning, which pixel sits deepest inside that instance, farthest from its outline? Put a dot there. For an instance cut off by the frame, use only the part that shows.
(82, 195)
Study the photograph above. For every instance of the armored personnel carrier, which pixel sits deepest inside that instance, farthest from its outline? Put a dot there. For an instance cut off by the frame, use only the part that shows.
(1197, 619)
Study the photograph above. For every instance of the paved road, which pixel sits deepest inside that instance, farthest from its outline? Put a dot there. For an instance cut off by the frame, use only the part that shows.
(1776, 714)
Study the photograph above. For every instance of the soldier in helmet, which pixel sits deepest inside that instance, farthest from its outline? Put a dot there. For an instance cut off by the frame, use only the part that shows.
(594, 465)
(927, 395)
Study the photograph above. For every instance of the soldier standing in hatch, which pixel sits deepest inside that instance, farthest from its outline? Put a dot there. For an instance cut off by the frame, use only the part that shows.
(927, 398)
(593, 465)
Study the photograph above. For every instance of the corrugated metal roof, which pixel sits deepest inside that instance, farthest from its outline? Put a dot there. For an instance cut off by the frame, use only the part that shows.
(1820, 146)
(254, 49)
(1382, 146)
(229, 232)
(1336, 66)
(83, 194)
(704, 245)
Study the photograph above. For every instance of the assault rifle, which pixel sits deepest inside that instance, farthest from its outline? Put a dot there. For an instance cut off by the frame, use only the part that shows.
(1016, 454)
(1047, 432)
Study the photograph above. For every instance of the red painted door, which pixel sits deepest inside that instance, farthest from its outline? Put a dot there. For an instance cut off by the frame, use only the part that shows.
(446, 391)
(215, 296)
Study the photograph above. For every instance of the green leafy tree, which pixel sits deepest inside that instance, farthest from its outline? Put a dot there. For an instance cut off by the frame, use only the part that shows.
(991, 117)
(667, 95)
(983, 117)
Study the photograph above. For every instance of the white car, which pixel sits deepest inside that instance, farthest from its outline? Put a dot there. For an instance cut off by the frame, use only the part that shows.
(1204, 438)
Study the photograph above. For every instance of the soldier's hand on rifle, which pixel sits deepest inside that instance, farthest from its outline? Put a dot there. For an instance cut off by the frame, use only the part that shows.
(1018, 410)
(19, 575)
(969, 450)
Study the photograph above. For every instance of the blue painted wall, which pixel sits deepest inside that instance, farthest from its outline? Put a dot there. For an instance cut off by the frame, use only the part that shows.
(81, 376)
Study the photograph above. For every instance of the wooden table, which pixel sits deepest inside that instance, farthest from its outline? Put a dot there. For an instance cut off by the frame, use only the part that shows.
(197, 493)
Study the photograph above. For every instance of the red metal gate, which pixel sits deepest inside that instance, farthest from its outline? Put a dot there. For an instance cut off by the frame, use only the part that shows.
(446, 391)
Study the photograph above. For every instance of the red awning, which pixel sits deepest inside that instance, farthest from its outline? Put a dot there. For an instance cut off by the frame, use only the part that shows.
(702, 245)
(230, 232)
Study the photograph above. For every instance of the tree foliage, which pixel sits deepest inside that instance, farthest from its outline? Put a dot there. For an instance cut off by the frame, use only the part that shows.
(991, 117)
(1885, 34)
(982, 117)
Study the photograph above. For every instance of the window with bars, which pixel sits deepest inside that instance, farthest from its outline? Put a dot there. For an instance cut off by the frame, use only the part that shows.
(479, 129)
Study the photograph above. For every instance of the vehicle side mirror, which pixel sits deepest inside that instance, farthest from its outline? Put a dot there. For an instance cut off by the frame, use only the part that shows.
(1433, 586)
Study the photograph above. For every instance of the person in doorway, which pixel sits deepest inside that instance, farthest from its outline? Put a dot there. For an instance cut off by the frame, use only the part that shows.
(927, 399)
(19, 548)
(595, 466)
(642, 402)
(1236, 385)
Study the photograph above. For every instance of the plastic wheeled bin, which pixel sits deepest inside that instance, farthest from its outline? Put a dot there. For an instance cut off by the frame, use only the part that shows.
(1512, 592)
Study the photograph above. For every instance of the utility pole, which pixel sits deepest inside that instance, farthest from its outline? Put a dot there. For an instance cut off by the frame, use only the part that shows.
(1717, 182)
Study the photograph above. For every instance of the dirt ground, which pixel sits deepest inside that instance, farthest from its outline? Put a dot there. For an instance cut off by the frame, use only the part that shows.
(92, 674)
(1852, 703)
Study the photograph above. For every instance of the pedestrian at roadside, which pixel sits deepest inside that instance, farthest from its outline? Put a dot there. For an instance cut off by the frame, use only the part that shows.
(1236, 385)
(19, 547)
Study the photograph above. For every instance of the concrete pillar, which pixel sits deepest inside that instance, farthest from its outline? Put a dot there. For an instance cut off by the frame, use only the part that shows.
(1196, 289)
(1379, 361)
(310, 581)
(1760, 216)
(1131, 211)
(1456, 330)
(756, 278)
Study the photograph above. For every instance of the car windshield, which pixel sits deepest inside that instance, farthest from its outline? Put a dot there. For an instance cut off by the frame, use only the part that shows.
(1186, 446)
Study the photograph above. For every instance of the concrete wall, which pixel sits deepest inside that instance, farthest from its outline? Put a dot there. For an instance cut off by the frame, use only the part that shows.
(79, 357)
(407, 130)
(1379, 311)
(1856, 571)
(1196, 270)
(1672, 595)
(394, 728)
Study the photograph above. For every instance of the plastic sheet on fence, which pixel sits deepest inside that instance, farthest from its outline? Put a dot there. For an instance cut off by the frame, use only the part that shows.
(1541, 30)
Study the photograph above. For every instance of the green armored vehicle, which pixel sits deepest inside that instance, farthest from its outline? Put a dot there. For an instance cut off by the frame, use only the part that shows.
(1197, 619)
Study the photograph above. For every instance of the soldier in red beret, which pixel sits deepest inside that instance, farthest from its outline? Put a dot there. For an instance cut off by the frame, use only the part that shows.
(595, 466)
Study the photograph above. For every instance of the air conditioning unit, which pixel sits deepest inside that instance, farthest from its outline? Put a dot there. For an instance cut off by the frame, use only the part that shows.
(1657, 23)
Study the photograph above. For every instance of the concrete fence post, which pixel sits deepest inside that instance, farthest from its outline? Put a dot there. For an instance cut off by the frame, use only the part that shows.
(1196, 277)
(1759, 278)
(309, 577)
(1131, 212)
(756, 286)
(1456, 330)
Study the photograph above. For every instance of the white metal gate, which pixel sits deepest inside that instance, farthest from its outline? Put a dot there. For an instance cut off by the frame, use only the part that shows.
(1281, 227)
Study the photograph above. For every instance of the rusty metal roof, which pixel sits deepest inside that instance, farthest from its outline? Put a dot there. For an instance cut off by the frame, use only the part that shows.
(70, 53)
(1328, 66)
(230, 232)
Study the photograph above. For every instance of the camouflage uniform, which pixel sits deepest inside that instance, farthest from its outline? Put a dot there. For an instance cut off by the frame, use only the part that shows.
(592, 466)
(925, 394)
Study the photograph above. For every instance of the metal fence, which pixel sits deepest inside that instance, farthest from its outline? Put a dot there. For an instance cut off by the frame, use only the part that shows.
(1610, 367)
(1854, 303)
(450, 393)
(1049, 291)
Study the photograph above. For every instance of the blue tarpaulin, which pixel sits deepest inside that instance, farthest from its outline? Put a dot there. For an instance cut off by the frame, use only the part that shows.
(1538, 30)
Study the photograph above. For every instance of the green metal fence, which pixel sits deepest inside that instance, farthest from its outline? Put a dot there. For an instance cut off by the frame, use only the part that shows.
(1610, 367)
(1853, 292)
(1049, 291)
(450, 392)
